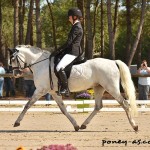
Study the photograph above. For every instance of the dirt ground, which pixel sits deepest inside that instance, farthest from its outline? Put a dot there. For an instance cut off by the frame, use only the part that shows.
(45, 128)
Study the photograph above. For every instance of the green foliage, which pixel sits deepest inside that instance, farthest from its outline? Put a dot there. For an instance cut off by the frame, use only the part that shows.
(7, 22)
(62, 26)
(60, 11)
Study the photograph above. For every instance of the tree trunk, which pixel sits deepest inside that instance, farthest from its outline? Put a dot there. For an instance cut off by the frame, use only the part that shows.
(89, 37)
(21, 21)
(1, 53)
(115, 20)
(28, 39)
(102, 30)
(31, 35)
(94, 26)
(110, 31)
(18, 30)
(80, 4)
(53, 24)
(0, 27)
(139, 52)
(129, 31)
(38, 25)
(16, 24)
(135, 44)
(148, 59)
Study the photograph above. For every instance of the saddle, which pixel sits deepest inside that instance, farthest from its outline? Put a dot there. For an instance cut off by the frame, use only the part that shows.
(77, 61)
(67, 69)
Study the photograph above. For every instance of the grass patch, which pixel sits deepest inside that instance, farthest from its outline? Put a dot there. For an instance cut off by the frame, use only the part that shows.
(82, 105)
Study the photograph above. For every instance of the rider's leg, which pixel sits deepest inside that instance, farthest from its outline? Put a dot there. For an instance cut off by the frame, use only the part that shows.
(66, 60)
(64, 83)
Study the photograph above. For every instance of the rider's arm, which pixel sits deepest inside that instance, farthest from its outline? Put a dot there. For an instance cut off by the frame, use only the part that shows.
(75, 31)
(71, 38)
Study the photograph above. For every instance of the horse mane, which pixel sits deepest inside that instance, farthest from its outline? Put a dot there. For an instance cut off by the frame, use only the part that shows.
(34, 49)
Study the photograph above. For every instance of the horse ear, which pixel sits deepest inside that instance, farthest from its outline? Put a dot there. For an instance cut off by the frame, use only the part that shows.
(10, 50)
(16, 50)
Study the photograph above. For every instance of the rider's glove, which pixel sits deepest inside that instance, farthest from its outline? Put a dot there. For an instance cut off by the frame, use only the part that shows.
(54, 53)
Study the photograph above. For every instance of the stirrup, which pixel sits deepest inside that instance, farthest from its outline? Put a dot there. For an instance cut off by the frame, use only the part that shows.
(65, 92)
(62, 91)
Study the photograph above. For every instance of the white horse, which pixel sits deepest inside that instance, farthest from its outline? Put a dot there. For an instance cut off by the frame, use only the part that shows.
(100, 74)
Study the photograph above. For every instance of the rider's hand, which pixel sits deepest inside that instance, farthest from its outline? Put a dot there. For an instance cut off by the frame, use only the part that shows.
(54, 53)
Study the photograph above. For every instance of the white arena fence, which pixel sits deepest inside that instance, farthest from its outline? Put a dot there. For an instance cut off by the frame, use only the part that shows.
(73, 106)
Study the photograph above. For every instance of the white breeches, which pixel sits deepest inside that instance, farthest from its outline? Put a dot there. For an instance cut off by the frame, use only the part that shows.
(66, 60)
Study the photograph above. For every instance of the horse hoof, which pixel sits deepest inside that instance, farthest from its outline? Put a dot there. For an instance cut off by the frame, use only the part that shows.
(77, 128)
(135, 128)
(83, 127)
(16, 124)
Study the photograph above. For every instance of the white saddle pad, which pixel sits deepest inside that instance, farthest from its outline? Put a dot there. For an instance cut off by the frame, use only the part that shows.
(77, 71)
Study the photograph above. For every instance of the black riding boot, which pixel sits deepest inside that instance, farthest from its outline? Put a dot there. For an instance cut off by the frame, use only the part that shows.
(64, 90)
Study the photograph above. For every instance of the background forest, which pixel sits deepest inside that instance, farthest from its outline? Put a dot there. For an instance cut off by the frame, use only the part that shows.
(114, 29)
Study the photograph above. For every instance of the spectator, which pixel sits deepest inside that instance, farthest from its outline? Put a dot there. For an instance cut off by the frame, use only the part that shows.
(144, 82)
(48, 97)
(9, 84)
(28, 83)
(2, 71)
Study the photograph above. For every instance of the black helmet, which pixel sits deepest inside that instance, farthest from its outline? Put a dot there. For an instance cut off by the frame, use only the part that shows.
(75, 12)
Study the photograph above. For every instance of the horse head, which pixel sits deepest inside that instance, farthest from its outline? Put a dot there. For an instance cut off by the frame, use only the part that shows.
(16, 61)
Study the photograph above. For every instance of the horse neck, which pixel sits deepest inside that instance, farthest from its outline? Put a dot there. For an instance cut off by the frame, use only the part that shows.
(30, 57)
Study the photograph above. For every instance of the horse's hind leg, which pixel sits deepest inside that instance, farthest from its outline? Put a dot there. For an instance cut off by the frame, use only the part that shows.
(98, 93)
(63, 109)
(125, 106)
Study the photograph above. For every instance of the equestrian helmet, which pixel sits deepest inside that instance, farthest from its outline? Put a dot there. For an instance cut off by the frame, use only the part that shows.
(75, 12)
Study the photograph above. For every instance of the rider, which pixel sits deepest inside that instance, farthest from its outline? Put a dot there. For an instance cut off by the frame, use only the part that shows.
(71, 49)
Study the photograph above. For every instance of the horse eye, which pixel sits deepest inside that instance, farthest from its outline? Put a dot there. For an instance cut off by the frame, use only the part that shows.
(13, 59)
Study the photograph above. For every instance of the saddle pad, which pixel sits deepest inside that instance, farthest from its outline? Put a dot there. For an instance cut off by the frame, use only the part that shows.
(77, 71)
(79, 60)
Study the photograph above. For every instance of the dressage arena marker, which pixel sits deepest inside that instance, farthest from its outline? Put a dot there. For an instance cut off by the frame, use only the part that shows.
(71, 106)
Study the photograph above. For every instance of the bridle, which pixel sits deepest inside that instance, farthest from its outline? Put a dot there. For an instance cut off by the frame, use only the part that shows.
(18, 59)
(15, 55)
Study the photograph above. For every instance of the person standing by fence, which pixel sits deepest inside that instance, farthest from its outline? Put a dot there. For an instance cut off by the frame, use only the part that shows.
(28, 83)
(9, 83)
(2, 71)
(47, 97)
(144, 82)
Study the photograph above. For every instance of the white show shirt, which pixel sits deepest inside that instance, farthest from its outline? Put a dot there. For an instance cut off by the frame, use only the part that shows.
(2, 71)
(144, 80)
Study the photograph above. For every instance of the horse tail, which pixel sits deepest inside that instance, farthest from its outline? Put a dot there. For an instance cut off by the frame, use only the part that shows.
(128, 86)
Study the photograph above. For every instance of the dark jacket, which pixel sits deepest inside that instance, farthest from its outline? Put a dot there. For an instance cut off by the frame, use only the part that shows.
(72, 45)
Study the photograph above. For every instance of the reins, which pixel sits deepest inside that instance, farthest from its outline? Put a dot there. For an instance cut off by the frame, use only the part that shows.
(28, 66)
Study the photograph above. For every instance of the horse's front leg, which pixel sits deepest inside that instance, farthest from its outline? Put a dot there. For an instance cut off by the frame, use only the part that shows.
(63, 109)
(34, 98)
